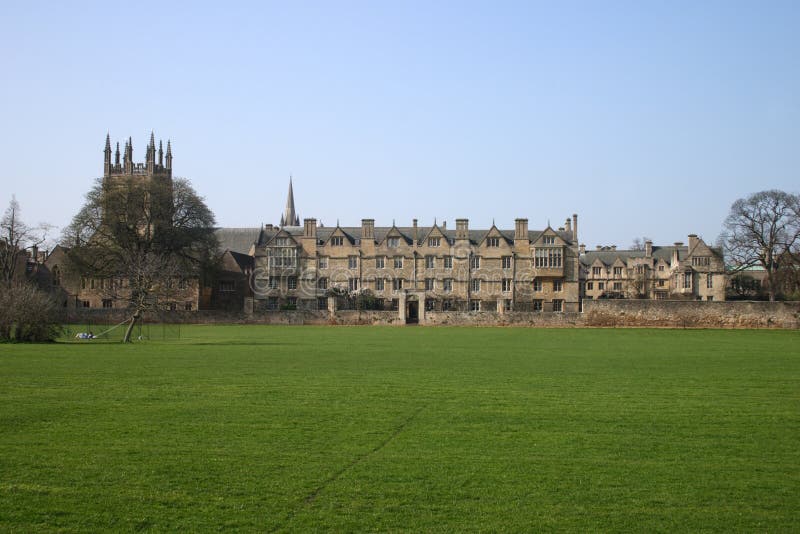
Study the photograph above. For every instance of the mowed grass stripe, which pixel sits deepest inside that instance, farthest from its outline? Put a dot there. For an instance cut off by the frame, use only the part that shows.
(296, 428)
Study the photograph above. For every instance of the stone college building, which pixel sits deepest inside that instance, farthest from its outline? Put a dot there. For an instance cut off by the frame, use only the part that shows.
(415, 269)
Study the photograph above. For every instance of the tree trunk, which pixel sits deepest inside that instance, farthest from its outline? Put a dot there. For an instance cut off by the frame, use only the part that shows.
(129, 330)
(771, 284)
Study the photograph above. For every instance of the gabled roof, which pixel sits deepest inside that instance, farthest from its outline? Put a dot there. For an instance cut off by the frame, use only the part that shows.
(353, 233)
(237, 239)
(236, 262)
(608, 257)
(280, 232)
(324, 234)
(434, 231)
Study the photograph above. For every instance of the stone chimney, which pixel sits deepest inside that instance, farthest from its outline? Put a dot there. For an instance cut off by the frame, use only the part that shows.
(462, 228)
(675, 255)
(648, 249)
(693, 241)
(520, 229)
(309, 228)
(568, 226)
(583, 248)
(415, 232)
(598, 247)
(575, 226)
(367, 229)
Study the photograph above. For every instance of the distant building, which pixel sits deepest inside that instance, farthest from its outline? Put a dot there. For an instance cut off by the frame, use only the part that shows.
(695, 271)
(74, 290)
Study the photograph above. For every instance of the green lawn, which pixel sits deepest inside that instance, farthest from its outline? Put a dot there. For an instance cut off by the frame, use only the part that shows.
(418, 429)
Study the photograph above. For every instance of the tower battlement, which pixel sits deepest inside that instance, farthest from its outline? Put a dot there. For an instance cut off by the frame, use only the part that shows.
(155, 162)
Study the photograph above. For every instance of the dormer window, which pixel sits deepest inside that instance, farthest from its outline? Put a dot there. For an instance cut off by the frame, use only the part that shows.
(492, 241)
(393, 242)
(337, 241)
(283, 242)
(434, 241)
(549, 240)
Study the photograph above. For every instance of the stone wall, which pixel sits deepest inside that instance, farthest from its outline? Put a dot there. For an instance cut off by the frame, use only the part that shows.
(353, 317)
(541, 319)
(691, 314)
(596, 313)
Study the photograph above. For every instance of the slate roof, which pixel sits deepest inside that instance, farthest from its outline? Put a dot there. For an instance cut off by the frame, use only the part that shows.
(380, 232)
(608, 257)
(237, 239)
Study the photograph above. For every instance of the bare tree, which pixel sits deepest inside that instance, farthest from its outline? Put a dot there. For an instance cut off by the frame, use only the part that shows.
(760, 230)
(28, 314)
(15, 239)
(142, 238)
(638, 281)
(639, 243)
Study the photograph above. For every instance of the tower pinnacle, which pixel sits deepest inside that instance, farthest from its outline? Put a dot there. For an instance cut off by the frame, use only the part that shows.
(107, 156)
(169, 155)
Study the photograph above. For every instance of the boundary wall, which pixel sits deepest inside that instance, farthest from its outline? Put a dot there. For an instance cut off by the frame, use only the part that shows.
(596, 313)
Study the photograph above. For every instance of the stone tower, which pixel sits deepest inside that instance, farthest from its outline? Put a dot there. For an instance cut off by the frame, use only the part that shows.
(151, 168)
(155, 173)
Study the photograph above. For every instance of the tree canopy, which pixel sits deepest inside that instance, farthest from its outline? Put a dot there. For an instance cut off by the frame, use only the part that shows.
(143, 237)
(763, 230)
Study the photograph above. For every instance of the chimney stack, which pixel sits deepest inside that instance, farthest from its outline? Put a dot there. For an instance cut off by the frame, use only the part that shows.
(675, 254)
(367, 229)
(575, 227)
(520, 229)
(462, 228)
(583, 248)
(648, 249)
(414, 222)
(568, 226)
(310, 228)
(692, 242)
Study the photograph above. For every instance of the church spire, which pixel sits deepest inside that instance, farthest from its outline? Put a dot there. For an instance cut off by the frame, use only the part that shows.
(289, 217)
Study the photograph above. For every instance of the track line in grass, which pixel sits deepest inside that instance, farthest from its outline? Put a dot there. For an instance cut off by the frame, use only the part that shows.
(312, 496)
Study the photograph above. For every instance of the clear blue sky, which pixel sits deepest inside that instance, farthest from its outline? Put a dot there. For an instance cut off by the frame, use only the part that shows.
(645, 118)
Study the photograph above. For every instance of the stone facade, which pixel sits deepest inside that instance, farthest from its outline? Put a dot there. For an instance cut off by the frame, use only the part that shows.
(418, 269)
(695, 272)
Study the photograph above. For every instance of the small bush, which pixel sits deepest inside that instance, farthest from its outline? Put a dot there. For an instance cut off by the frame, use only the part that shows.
(28, 314)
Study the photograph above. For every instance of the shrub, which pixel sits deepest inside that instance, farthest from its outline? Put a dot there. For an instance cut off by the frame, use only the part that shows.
(28, 314)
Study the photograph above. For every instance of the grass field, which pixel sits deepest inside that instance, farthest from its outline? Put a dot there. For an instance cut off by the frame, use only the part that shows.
(418, 429)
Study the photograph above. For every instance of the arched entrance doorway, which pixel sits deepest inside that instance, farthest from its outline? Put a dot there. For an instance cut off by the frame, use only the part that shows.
(412, 310)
